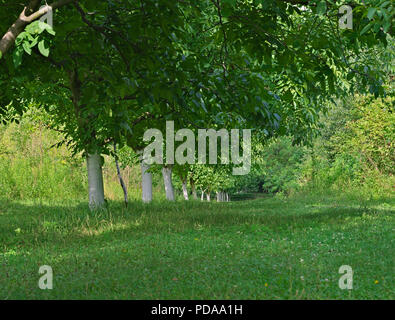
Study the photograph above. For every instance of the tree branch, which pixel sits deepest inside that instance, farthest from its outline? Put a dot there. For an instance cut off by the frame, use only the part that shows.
(27, 16)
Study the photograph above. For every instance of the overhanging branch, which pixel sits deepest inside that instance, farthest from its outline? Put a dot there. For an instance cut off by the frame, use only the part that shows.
(27, 16)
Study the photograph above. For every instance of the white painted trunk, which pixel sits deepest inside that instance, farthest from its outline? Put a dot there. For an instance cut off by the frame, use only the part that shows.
(146, 182)
(222, 196)
(218, 196)
(208, 196)
(95, 181)
(227, 197)
(202, 196)
(166, 172)
(185, 190)
(194, 193)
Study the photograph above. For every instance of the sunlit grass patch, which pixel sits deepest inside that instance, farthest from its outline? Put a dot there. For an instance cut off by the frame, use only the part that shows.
(269, 248)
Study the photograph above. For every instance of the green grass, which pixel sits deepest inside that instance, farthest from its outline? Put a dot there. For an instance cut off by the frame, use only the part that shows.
(259, 249)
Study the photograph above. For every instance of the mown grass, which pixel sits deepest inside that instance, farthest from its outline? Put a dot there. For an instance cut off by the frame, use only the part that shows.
(259, 249)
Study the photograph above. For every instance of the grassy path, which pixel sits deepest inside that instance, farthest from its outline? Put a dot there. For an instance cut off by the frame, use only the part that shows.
(258, 249)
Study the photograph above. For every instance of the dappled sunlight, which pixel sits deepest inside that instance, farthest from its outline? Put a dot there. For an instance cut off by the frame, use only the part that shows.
(106, 227)
(212, 250)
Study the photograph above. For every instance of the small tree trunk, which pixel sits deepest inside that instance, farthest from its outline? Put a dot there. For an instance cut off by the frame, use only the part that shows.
(166, 172)
(220, 196)
(125, 190)
(193, 189)
(208, 196)
(95, 181)
(227, 197)
(202, 196)
(146, 182)
(185, 190)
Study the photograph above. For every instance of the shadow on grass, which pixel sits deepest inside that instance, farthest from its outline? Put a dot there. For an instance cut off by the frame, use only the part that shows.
(30, 225)
(146, 246)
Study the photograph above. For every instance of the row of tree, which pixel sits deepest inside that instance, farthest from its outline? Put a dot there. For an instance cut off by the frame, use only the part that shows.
(109, 70)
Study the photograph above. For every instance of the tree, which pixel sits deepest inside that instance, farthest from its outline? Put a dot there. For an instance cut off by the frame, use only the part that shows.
(182, 173)
(262, 64)
(369, 133)
(100, 92)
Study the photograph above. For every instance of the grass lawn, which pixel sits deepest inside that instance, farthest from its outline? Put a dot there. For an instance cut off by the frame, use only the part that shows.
(258, 249)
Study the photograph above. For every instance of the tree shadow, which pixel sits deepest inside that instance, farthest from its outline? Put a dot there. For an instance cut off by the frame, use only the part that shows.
(30, 225)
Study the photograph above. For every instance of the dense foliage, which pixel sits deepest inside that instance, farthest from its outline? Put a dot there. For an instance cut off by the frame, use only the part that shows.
(355, 151)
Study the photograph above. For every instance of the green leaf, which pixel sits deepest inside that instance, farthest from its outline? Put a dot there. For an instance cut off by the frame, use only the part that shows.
(34, 42)
(17, 57)
(34, 28)
(371, 13)
(45, 26)
(27, 48)
(366, 28)
(386, 26)
(43, 50)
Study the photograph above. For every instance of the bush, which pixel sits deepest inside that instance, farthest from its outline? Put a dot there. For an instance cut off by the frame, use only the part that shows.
(356, 152)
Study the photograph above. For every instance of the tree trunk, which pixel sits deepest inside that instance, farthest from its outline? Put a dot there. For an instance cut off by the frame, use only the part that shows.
(219, 197)
(95, 181)
(185, 189)
(208, 196)
(124, 188)
(202, 196)
(146, 182)
(193, 189)
(166, 172)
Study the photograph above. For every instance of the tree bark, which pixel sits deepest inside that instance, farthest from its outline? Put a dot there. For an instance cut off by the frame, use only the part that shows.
(185, 189)
(146, 182)
(208, 196)
(125, 190)
(95, 181)
(193, 189)
(93, 160)
(167, 179)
